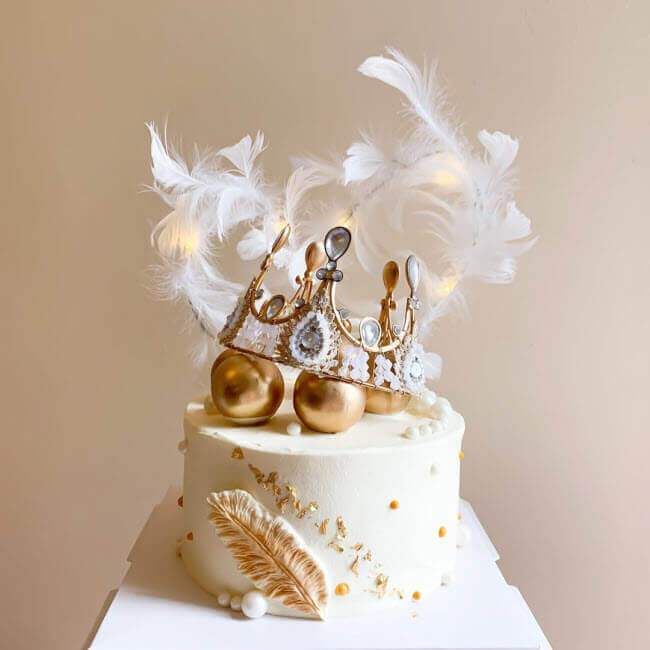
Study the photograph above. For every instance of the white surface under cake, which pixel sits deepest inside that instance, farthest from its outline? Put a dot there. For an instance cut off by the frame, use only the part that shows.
(158, 606)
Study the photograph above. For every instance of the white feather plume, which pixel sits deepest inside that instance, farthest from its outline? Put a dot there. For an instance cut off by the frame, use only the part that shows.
(208, 202)
(427, 193)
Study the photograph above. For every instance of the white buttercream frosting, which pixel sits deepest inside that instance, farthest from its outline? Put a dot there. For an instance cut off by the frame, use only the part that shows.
(377, 488)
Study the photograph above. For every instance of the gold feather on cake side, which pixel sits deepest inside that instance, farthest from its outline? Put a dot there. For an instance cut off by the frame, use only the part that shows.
(269, 552)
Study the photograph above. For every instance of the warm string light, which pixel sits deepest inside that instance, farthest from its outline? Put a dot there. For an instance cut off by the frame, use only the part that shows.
(344, 218)
(446, 286)
(450, 174)
(279, 225)
(188, 243)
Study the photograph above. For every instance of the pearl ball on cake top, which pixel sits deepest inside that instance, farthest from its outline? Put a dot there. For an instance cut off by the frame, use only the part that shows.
(235, 603)
(254, 604)
(294, 429)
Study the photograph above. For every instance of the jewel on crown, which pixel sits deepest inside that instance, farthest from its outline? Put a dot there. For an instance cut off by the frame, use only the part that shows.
(310, 332)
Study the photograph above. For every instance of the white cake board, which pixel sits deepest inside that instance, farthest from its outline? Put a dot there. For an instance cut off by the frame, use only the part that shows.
(157, 606)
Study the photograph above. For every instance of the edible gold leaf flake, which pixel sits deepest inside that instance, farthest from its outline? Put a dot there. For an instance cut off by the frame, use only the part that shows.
(237, 453)
(259, 475)
(341, 529)
(322, 527)
(337, 547)
(399, 593)
(354, 567)
(311, 507)
(381, 583)
(368, 556)
(357, 547)
(282, 503)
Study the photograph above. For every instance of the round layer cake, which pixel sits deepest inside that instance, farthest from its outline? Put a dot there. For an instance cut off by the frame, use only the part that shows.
(362, 520)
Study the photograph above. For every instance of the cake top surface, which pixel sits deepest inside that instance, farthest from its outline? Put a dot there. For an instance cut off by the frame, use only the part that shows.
(372, 433)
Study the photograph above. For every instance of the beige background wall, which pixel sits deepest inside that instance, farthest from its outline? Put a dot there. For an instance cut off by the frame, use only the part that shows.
(551, 373)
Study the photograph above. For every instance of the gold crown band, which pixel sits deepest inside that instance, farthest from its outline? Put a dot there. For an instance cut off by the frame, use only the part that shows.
(310, 332)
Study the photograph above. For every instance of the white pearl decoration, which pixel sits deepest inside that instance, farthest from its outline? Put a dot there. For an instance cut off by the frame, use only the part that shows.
(463, 536)
(412, 433)
(444, 406)
(446, 579)
(235, 603)
(425, 430)
(223, 598)
(254, 604)
(294, 429)
(429, 398)
(436, 426)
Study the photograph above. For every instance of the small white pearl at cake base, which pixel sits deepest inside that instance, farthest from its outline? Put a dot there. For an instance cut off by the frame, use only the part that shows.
(254, 604)
(425, 430)
(223, 599)
(429, 398)
(294, 429)
(463, 536)
(235, 603)
(411, 433)
(446, 579)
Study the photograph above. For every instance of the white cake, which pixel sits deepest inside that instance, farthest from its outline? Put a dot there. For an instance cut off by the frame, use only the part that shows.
(375, 507)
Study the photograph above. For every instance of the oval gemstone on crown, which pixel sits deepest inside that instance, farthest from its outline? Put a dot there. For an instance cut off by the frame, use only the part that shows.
(337, 241)
(370, 331)
(413, 272)
(275, 306)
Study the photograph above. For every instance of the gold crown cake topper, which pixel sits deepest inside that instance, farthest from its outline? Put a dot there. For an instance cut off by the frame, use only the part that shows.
(448, 208)
(309, 331)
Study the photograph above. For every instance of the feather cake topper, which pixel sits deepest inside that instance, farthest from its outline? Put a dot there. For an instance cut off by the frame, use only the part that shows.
(428, 194)
(269, 552)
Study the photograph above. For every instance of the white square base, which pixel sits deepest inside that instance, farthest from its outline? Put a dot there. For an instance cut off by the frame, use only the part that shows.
(158, 606)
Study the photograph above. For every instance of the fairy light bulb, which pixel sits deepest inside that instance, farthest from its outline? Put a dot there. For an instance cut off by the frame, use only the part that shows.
(279, 226)
(188, 243)
(450, 174)
(344, 218)
(446, 286)
(445, 178)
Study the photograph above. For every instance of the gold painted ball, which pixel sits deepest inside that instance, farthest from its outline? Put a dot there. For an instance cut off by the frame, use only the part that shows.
(327, 405)
(246, 389)
(384, 402)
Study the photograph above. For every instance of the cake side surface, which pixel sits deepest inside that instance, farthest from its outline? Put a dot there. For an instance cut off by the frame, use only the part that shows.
(377, 511)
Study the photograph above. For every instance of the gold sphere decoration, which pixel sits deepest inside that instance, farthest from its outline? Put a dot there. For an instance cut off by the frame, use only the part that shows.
(228, 352)
(327, 405)
(246, 389)
(384, 402)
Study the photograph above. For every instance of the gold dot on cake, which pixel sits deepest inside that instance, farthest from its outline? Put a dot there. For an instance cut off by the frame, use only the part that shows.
(416, 595)
(180, 501)
(342, 589)
(237, 453)
(442, 531)
(190, 536)
(394, 504)
(461, 454)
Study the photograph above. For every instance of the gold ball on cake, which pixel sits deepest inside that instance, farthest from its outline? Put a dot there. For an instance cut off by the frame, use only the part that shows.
(246, 389)
(327, 405)
(384, 402)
